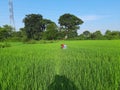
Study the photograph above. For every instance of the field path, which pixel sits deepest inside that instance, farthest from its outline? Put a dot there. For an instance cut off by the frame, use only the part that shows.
(59, 57)
(58, 62)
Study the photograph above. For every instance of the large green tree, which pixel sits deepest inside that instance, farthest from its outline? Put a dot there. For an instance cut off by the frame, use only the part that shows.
(51, 32)
(70, 23)
(32, 26)
(35, 25)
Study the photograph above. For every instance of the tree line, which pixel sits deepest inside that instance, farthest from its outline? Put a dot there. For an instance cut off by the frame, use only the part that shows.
(38, 28)
(97, 35)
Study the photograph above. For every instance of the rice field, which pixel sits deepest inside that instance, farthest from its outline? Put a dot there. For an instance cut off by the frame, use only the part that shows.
(84, 65)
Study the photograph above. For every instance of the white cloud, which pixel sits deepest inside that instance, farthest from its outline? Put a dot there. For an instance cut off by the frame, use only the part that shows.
(92, 17)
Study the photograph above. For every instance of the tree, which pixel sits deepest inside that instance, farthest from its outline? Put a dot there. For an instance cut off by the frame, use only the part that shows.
(51, 32)
(86, 34)
(96, 35)
(19, 35)
(5, 32)
(81, 37)
(35, 25)
(32, 26)
(112, 34)
(70, 23)
(61, 33)
(108, 34)
(22, 32)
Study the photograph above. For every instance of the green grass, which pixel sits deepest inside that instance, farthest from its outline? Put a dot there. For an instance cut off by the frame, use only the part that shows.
(86, 65)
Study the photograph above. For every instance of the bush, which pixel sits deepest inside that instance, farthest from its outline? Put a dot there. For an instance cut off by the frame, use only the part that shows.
(3, 45)
(30, 41)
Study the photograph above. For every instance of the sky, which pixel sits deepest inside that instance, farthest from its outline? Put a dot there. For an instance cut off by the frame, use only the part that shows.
(96, 14)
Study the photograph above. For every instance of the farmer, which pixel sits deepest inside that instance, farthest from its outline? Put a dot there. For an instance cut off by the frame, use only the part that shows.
(63, 46)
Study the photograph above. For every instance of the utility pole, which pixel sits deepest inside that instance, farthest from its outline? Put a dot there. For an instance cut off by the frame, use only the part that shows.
(11, 16)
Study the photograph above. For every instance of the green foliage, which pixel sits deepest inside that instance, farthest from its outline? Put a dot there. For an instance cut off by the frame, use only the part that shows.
(5, 32)
(38, 28)
(86, 34)
(96, 35)
(35, 25)
(51, 32)
(32, 26)
(30, 41)
(70, 23)
(112, 34)
(69, 20)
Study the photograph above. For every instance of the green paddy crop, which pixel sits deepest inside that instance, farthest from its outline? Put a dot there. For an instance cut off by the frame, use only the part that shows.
(84, 65)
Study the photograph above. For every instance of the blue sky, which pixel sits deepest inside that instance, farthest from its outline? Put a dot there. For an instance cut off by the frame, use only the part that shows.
(96, 14)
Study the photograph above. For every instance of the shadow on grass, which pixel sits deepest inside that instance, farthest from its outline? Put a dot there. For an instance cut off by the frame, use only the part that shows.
(62, 83)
